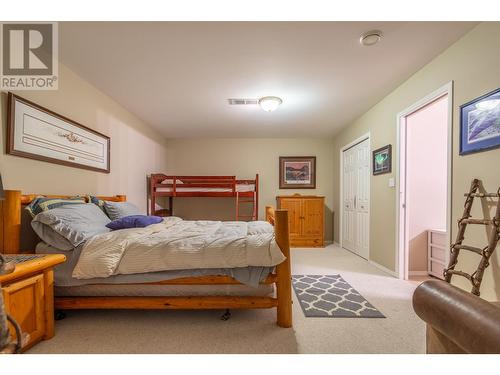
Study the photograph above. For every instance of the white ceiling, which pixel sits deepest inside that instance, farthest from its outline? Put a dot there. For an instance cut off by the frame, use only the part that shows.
(177, 76)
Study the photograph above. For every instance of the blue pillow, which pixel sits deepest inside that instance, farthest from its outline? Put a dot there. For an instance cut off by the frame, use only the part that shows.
(134, 221)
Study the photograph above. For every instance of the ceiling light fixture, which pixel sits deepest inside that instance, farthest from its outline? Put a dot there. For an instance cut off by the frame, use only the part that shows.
(270, 103)
(370, 38)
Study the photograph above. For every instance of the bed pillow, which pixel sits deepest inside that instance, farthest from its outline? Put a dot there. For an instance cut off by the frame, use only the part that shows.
(40, 204)
(117, 210)
(98, 202)
(134, 221)
(68, 226)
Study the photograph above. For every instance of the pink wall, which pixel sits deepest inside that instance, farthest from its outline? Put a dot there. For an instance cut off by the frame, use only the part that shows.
(426, 177)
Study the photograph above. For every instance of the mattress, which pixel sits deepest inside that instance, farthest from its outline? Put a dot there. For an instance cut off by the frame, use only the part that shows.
(240, 188)
(250, 276)
(110, 290)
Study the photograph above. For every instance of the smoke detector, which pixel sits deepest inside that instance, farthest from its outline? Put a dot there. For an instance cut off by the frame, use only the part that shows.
(370, 38)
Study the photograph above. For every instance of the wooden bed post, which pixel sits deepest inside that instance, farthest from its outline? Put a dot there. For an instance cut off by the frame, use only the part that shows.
(121, 198)
(283, 270)
(270, 215)
(10, 222)
(171, 206)
(256, 197)
(152, 197)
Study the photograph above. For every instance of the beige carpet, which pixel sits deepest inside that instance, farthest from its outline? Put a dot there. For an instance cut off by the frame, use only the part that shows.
(256, 331)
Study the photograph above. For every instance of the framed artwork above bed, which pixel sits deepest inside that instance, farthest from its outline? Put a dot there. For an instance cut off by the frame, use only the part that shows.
(38, 133)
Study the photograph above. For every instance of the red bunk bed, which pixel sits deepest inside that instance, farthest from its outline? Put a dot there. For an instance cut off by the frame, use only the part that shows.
(245, 191)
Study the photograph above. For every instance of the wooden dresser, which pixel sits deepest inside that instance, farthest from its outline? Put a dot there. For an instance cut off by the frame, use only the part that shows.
(306, 219)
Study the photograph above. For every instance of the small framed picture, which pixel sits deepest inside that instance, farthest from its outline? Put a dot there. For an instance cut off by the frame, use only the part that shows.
(480, 123)
(297, 172)
(382, 160)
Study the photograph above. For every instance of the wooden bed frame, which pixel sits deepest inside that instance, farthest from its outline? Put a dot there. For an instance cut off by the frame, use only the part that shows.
(228, 183)
(10, 232)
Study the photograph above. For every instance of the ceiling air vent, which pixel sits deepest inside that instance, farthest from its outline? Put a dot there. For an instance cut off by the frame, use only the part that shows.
(238, 101)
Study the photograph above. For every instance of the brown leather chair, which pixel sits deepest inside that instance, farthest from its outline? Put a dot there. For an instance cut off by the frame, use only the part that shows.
(457, 321)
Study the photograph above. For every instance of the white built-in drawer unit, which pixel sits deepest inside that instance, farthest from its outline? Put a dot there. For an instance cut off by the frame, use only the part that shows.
(437, 250)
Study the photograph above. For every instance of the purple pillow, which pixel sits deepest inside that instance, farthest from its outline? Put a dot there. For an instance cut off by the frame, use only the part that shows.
(134, 221)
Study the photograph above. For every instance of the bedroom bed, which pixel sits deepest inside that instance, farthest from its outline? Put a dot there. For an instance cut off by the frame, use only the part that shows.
(209, 288)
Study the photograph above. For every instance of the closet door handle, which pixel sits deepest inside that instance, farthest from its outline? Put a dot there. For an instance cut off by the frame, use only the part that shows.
(355, 202)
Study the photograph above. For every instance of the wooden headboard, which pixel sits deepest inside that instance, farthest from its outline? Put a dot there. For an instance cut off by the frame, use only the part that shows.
(11, 218)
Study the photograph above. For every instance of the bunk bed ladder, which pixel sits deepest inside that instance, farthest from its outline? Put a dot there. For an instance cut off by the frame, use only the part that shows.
(494, 236)
(252, 200)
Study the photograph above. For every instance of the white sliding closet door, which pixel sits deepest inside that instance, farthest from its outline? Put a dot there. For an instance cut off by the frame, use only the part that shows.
(356, 199)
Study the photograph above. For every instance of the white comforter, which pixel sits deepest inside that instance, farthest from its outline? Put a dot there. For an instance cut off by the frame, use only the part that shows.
(176, 244)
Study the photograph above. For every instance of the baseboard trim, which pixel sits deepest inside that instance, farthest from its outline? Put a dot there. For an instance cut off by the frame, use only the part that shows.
(382, 268)
(418, 273)
(337, 243)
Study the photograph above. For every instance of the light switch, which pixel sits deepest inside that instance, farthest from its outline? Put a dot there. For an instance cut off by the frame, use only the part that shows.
(392, 183)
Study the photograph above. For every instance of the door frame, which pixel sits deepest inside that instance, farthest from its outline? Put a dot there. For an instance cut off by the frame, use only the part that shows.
(364, 137)
(401, 219)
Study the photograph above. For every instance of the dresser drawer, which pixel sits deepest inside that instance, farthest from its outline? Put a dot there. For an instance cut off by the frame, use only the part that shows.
(437, 238)
(437, 253)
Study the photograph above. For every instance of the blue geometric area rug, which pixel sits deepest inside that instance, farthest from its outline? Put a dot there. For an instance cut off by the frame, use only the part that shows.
(330, 296)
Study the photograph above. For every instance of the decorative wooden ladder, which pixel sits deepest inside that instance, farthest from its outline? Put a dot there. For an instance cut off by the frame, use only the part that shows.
(494, 236)
(239, 201)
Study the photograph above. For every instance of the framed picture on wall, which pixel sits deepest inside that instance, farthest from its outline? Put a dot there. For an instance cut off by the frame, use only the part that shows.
(480, 123)
(297, 172)
(36, 132)
(382, 160)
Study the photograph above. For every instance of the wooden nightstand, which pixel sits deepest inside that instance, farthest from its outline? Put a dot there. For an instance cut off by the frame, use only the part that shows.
(28, 294)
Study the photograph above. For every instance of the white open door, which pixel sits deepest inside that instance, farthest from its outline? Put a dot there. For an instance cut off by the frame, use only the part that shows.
(424, 185)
